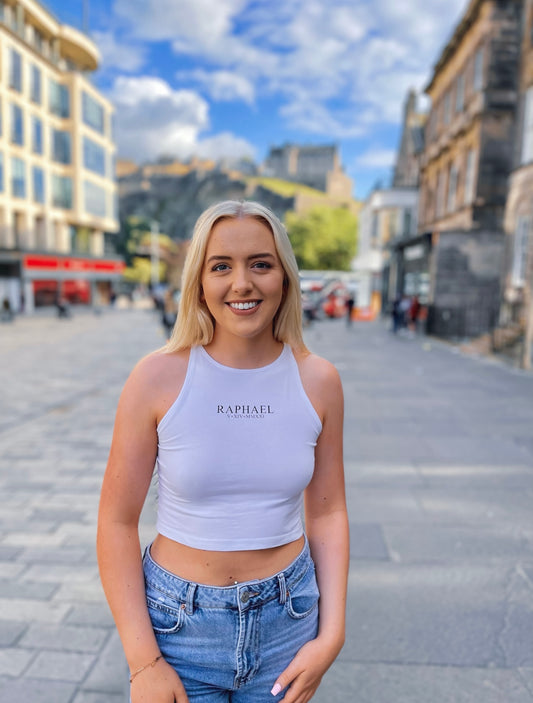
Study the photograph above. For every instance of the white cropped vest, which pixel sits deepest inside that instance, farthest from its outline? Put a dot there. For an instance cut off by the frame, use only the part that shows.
(235, 453)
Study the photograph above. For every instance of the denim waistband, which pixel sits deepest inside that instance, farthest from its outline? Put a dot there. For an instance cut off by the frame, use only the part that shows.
(243, 594)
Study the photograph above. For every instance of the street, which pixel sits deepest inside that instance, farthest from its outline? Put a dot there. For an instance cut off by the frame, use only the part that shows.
(439, 476)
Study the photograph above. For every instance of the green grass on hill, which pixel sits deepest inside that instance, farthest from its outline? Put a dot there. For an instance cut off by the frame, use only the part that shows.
(286, 188)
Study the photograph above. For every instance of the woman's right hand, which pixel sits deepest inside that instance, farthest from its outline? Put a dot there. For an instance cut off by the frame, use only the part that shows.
(158, 684)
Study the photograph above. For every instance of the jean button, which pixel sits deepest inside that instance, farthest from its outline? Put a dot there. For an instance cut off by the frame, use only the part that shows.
(245, 597)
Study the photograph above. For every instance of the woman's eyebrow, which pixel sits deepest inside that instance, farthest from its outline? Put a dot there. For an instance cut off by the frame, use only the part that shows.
(220, 257)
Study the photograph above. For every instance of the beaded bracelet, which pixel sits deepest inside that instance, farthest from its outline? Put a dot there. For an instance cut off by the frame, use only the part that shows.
(145, 667)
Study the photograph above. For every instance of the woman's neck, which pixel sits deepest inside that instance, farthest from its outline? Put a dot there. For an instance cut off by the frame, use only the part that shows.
(242, 353)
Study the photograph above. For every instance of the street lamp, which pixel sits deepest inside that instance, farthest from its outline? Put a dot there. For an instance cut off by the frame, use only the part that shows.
(154, 252)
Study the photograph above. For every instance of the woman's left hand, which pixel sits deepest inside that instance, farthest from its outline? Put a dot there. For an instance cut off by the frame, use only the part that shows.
(304, 673)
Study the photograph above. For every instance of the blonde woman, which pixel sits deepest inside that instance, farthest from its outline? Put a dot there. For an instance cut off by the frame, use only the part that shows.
(234, 600)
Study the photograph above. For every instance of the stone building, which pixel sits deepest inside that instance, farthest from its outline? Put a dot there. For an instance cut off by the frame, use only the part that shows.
(58, 200)
(407, 167)
(516, 315)
(316, 166)
(465, 167)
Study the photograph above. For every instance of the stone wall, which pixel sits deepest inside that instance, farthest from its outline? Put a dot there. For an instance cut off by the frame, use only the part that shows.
(465, 291)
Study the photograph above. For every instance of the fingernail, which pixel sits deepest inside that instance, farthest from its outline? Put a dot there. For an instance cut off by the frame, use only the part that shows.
(276, 689)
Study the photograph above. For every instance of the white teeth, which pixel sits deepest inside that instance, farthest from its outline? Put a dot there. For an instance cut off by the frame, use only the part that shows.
(243, 306)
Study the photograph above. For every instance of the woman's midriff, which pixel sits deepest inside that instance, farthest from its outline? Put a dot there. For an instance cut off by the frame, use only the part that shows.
(222, 568)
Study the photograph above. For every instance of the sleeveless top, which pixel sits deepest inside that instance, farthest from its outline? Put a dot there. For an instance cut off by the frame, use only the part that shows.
(235, 453)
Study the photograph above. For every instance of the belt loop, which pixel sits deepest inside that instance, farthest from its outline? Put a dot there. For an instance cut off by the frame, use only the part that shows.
(189, 602)
(282, 589)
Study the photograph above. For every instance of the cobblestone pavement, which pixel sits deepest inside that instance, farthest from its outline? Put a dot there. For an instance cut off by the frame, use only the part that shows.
(439, 469)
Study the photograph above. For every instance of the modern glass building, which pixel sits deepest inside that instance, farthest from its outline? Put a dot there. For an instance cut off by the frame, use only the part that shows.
(58, 195)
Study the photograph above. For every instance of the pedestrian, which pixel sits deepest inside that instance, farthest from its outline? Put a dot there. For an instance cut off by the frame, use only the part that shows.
(6, 314)
(233, 600)
(350, 302)
(169, 312)
(414, 312)
(396, 314)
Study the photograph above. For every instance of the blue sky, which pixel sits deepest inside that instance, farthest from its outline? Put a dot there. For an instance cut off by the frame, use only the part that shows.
(219, 78)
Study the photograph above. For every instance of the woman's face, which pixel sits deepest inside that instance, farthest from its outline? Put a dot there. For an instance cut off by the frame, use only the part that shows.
(242, 278)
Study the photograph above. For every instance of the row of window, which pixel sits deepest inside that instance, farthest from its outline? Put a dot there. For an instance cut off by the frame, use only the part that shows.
(94, 155)
(59, 98)
(448, 187)
(95, 197)
(469, 81)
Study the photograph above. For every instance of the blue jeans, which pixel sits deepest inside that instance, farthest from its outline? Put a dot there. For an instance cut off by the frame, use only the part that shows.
(231, 643)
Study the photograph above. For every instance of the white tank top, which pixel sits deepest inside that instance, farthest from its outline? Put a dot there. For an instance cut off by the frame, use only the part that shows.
(235, 453)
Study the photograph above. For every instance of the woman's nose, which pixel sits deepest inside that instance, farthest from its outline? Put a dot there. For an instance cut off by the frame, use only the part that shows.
(241, 280)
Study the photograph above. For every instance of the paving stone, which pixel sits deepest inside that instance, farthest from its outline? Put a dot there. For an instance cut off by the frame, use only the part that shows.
(32, 610)
(110, 672)
(13, 661)
(28, 690)
(55, 555)
(90, 614)
(10, 632)
(27, 589)
(65, 637)
(92, 697)
(382, 683)
(61, 666)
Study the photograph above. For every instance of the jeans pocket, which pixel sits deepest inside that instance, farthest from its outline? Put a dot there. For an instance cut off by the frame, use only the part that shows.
(303, 596)
(165, 619)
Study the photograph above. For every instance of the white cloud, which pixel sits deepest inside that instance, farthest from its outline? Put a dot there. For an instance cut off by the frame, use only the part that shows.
(376, 158)
(222, 86)
(126, 57)
(225, 145)
(152, 119)
(337, 66)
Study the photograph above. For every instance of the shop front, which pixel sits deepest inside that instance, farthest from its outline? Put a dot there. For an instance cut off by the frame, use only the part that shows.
(76, 280)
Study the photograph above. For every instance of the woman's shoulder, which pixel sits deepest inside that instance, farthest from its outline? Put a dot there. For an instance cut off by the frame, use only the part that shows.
(159, 372)
(319, 377)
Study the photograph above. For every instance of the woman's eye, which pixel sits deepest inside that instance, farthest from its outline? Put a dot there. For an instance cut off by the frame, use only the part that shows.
(262, 265)
(220, 267)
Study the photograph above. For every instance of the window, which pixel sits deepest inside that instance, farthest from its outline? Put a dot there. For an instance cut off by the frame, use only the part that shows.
(59, 99)
(521, 242)
(1, 171)
(18, 177)
(441, 184)
(94, 156)
(527, 137)
(93, 113)
(478, 69)
(62, 191)
(452, 188)
(37, 135)
(38, 184)
(38, 39)
(447, 108)
(460, 93)
(17, 125)
(15, 71)
(95, 199)
(35, 87)
(61, 146)
(469, 176)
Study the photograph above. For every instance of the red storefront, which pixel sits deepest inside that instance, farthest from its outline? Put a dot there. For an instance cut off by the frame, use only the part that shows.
(79, 280)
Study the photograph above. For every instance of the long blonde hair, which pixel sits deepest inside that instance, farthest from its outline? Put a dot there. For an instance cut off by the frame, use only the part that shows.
(194, 325)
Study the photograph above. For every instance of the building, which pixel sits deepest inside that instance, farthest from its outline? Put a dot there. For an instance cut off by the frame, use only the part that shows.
(388, 217)
(465, 167)
(516, 315)
(407, 167)
(58, 198)
(315, 166)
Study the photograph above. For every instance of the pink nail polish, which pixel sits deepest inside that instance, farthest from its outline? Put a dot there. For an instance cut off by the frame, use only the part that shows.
(276, 689)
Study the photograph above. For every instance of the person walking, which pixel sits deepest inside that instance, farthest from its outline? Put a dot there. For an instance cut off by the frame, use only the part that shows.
(234, 600)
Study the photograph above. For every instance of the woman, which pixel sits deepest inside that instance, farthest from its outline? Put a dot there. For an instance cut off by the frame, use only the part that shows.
(245, 426)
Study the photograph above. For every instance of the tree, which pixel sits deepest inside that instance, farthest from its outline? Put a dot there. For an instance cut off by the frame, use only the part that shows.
(324, 238)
